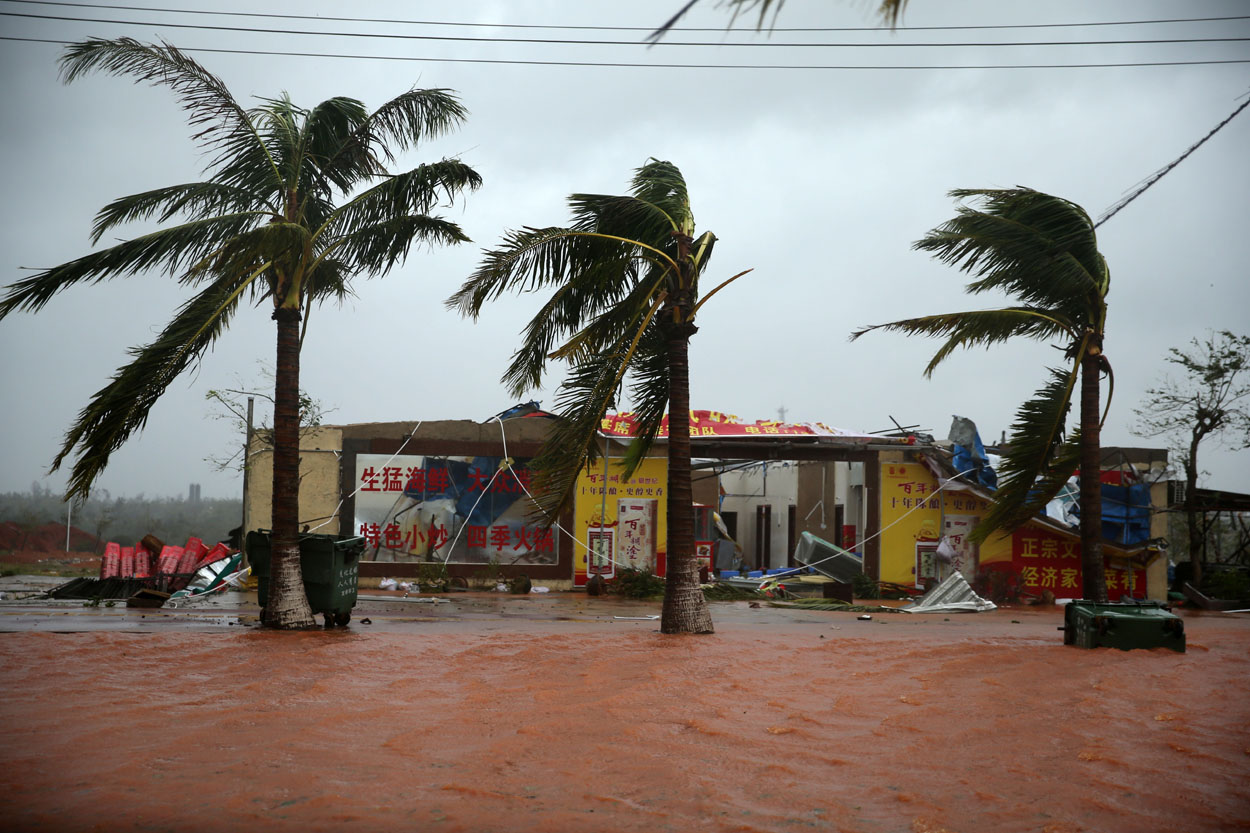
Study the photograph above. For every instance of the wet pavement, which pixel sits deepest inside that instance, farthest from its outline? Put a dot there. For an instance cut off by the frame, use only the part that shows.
(489, 712)
(381, 611)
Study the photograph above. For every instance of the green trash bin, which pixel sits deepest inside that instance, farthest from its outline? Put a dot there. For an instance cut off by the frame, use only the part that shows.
(1123, 625)
(330, 565)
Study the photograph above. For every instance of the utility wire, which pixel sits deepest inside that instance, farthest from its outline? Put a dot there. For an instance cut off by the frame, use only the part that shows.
(769, 44)
(624, 64)
(328, 19)
(1162, 172)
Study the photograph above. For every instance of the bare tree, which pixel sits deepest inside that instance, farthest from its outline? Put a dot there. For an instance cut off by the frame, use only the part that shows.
(1211, 399)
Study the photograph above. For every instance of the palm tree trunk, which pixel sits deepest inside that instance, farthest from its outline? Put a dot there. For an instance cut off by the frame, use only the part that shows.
(286, 606)
(1091, 485)
(685, 608)
(1197, 543)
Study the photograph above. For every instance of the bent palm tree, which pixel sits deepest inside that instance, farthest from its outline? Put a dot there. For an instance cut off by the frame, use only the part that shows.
(1043, 251)
(625, 276)
(265, 224)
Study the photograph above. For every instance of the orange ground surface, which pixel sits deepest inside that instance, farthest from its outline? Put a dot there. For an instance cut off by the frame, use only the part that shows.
(781, 721)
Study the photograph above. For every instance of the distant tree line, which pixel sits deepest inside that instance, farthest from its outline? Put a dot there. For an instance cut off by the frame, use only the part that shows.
(125, 519)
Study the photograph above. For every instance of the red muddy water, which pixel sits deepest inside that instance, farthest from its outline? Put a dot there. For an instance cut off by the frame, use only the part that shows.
(793, 721)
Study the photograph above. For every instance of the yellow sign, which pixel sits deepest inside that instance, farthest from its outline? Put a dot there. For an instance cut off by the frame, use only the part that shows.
(624, 522)
(911, 514)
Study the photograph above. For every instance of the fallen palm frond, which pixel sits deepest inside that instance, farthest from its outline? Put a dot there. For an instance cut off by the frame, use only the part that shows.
(728, 593)
(833, 604)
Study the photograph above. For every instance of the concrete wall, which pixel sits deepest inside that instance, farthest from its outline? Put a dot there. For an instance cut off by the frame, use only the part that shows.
(772, 484)
(818, 501)
(320, 449)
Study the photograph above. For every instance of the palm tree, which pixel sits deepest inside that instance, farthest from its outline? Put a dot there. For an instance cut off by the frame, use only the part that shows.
(276, 218)
(625, 280)
(1041, 250)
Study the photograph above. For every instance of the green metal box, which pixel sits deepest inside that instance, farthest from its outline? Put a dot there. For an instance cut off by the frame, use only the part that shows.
(1123, 625)
(330, 565)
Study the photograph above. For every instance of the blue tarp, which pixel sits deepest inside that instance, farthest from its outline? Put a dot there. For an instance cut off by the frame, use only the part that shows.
(464, 483)
(975, 459)
(1126, 514)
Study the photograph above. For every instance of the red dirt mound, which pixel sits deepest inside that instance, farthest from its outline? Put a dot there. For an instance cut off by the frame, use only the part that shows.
(49, 537)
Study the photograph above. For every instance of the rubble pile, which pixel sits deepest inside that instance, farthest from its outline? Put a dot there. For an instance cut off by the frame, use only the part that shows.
(166, 567)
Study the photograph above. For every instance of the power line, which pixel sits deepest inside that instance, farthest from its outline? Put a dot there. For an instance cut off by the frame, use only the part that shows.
(624, 64)
(769, 44)
(1162, 172)
(329, 19)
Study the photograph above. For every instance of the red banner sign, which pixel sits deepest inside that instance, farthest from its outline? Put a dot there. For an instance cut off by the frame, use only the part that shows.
(718, 424)
(1047, 560)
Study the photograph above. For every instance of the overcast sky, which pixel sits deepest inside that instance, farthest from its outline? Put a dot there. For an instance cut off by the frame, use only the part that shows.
(818, 178)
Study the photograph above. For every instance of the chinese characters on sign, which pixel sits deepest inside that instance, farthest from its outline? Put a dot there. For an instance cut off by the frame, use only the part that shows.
(1047, 560)
(911, 512)
(461, 510)
(718, 424)
(622, 520)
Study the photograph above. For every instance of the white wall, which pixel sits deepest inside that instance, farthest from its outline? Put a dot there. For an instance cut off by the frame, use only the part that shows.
(774, 484)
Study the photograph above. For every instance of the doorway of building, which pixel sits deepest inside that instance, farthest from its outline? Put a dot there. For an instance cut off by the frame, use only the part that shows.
(763, 536)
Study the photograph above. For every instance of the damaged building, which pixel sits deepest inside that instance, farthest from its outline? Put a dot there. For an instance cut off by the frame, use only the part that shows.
(456, 495)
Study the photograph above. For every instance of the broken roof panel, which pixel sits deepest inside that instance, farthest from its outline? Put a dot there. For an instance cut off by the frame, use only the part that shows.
(952, 595)
(718, 424)
(828, 559)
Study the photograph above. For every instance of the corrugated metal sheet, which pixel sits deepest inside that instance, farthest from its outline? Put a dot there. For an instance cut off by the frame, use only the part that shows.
(952, 595)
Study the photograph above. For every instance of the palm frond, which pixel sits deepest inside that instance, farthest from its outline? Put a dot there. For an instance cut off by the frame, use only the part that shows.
(661, 184)
(413, 117)
(695, 310)
(648, 394)
(608, 320)
(221, 122)
(532, 259)
(401, 123)
(416, 191)
(279, 121)
(890, 12)
(121, 408)
(329, 280)
(375, 249)
(591, 315)
(979, 328)
(1033, 246)
(585, 396)
(701, 253)
(172, 249)
(581, 402)
(279, 244)
(328, 128)
(624, 216)
(1037, 461)
(1007, 515)
(192, 199)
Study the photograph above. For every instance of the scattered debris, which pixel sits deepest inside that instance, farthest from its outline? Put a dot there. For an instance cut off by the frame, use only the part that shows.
(98, 589)
(212, 578)
(828, 559)
(952, 595)
(1200, 599)
(147, 597)
(834, 604)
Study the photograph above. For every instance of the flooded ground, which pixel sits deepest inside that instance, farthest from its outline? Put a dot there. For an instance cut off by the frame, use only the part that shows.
(548, 714)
